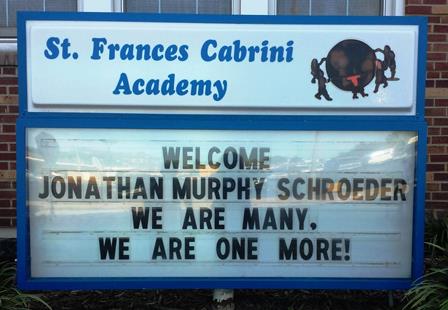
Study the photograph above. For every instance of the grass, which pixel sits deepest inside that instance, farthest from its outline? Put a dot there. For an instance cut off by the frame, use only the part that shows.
(10, 297)
(431, 291)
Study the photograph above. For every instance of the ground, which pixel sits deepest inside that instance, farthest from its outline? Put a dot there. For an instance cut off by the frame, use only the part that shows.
(202, 300)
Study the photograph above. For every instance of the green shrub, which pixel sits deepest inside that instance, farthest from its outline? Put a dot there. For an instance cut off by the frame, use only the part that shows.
(10, 297)
(436, 233)
(432, 292)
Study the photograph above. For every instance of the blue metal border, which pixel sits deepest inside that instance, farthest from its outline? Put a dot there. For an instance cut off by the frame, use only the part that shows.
(229, 122)
(217, 122)
(21, 205)
(421, 67)
(419, 204)
(420, 21)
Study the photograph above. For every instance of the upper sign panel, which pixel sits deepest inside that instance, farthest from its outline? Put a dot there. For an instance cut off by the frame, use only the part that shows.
(177, 67)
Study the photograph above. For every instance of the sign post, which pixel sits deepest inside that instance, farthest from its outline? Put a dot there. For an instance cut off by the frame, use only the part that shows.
(220, 152)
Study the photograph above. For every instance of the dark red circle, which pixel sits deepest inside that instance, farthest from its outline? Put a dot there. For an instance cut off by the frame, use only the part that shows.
(351, 62)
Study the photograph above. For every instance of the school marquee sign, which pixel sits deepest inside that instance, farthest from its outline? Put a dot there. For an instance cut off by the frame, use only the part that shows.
(169, 151)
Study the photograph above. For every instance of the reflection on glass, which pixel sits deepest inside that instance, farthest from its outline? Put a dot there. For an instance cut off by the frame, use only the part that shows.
(87, 184)
(179, 6)
(334, 7)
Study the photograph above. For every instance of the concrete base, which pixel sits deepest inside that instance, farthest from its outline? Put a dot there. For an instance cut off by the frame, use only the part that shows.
(8, 233)
(223, 299)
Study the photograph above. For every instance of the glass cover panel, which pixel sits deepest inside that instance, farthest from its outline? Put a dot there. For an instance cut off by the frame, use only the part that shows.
(9, 8)
(61, 5)
(22, 5)
(178, 6)
(325, 7)
(215, 7)
(293, 7)
(3, 16)
(141, 6)
(205, 203)
(365, 8)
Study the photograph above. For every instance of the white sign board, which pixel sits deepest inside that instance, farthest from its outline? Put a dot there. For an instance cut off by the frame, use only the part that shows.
(217, 203)
(160, 67)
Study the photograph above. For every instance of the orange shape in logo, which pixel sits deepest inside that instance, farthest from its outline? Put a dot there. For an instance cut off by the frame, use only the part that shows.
(354, 79)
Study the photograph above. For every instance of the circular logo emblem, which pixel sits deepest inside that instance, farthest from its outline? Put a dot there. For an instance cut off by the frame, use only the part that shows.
(350, 65)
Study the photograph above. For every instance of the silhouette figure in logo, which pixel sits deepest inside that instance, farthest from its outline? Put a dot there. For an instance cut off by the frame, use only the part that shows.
(357, 87)
(389, 61)
(380, 77)
(318, 75)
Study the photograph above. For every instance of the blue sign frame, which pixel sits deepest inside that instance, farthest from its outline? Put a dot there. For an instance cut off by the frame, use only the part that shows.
(217, 122)
(419, 21)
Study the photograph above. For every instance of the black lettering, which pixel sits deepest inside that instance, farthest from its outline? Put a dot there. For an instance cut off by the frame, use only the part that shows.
(252, 248)
(295, 185)
(285, 252)
(344, 189)
(45, 192)
(327, 188)
(269, 220)
(156, 186)
(322, 246)
(54, 187)
(139, 189)
(264, 158)
(211, 163)
(251, 219)
(222, 253)
(248, 162)
(182, 192)
(357, 189)
(189, 248)
(198, 193)
(243, 188)
(336, 249)
(109, 181)
(213, 188)
(230, 152)
(159, 249)
(306, 249)
(140, 216)
(123, 248)
(189, 219)
(124, 187)
(228, 186)
(385, 189)
(74, 188)
(198, 159)
(400, 187)
(108, 247)
(280, 185)
(301, 216)
(186, 156)
(175, 247)
(258, 187)
(156, 218)
(205, 217)
(238, 246)
(219, 218)
(286, 218)
(171, 157)
(92, 189)
(313, 189)
(372, 184)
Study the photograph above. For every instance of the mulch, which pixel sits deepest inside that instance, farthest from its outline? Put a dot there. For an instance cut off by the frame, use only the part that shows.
(202, 300)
